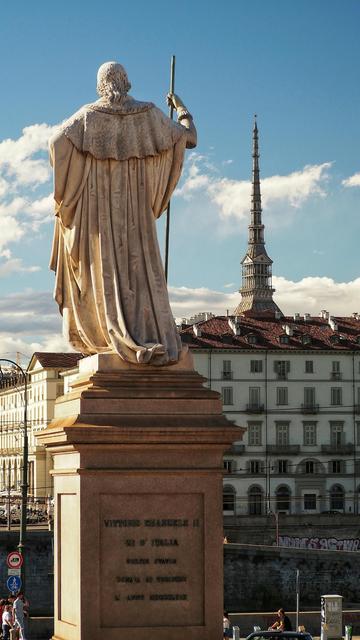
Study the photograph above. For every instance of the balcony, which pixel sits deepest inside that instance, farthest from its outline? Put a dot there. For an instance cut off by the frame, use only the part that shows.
(254, 407)
(284, 449)
(310, 407)
(338, 449)
(226, 375)
(335, 375)
(281, 375)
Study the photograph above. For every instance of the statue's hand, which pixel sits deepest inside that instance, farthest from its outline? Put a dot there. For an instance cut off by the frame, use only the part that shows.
(174, 101)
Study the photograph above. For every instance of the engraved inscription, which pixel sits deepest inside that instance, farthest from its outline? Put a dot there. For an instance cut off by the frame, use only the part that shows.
(152, 552)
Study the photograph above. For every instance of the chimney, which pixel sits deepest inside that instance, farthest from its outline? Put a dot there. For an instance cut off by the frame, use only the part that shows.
(297, 316)
(307, 317)
(333, 324)
(278, 315)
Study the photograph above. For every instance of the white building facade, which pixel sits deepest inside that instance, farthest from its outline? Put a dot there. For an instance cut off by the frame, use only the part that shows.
(44, 385)
(301, 410)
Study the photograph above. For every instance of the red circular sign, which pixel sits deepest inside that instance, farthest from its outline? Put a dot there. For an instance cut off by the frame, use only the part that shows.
(14, 560)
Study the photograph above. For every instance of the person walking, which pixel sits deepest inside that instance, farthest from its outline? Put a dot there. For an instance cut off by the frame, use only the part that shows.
(19, 616)
(7, 623)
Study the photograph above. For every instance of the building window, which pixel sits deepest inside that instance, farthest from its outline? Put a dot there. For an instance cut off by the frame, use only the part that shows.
(284, 339)
(335, 370)
(281, 395)
(227, 395)
(229, 499)
(309, 396)
(282, 368)
(337, 498)
(254, 433)
(282, 434)
(229, 465)
(336, 396)
(336, 466)
(282, 466)
(309, 366)
(337, 434)
(309, 466)
(255, 497)
(255, 467)
(256, 366)
(283, 499)
(254, 397)
(309, 434)
(310, 501)
(227, 373)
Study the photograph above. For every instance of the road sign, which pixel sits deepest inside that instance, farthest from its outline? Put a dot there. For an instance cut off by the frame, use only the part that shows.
(14, 560)
(14, 572)
(13, 584)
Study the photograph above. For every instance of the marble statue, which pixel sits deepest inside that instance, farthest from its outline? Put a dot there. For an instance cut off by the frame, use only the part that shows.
(116, 163)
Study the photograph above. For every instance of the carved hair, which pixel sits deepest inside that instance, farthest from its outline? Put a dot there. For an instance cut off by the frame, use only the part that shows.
(112, 81)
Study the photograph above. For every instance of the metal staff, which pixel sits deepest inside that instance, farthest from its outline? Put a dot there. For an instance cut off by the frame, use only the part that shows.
(167, 232)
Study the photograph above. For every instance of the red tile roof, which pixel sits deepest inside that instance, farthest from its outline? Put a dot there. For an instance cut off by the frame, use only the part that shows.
(57, 360)
(314, 333)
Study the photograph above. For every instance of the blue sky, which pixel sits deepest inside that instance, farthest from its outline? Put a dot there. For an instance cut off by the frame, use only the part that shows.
(294, 63)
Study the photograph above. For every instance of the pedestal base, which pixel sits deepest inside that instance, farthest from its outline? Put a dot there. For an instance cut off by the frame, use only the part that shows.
(138, 504)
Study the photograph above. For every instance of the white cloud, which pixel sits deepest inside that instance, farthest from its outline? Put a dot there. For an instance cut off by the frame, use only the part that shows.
(24, 170)
(308, 295)
(232, 197)
(17, 159)
(15, 265)
(352, 181)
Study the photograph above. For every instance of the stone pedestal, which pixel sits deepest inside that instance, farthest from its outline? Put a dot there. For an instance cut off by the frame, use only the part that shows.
(137, 456)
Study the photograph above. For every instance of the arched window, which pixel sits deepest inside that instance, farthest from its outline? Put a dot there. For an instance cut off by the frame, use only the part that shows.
(255, 501)
(229, 494)
(283, 498)
(337, 498)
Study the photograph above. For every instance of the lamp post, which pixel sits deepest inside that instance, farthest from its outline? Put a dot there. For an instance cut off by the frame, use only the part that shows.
(24, 484)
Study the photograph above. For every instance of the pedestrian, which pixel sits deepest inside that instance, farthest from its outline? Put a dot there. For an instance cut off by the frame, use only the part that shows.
(282, 623)
(227, 627)
(7, 623)
(19, 615)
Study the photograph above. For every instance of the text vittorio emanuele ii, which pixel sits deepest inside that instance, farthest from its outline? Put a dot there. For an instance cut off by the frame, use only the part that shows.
(148, 544)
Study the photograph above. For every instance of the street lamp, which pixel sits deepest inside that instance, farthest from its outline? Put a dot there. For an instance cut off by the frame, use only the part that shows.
(24, 484)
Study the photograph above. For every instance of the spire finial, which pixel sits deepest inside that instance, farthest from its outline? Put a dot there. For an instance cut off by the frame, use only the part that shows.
(257, 290)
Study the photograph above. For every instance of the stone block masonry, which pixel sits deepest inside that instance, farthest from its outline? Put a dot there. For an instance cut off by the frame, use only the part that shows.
(39, 568)
(263, 578)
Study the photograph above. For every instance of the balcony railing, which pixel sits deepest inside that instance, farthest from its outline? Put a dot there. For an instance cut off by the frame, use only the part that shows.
(335, 375)
(288, 449)
(309, 407)
(227, 375)
(338, 449)
(254, 407)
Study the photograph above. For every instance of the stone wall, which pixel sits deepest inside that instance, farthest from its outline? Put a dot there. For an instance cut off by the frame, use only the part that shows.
(325, 531)
(263, 578)
(39, 568)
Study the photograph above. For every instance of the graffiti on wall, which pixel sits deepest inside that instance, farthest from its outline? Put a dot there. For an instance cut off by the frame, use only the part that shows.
(332, 544)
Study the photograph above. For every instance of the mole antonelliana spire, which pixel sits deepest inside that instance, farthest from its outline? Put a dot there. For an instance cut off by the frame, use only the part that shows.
(256, 290)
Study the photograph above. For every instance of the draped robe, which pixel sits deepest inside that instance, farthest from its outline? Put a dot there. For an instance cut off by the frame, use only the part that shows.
(115, 168)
